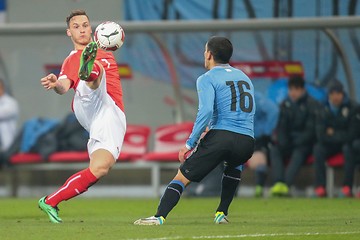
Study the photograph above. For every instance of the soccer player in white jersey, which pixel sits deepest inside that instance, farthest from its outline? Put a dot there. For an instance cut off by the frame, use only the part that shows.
(97, 104)
(227, 107)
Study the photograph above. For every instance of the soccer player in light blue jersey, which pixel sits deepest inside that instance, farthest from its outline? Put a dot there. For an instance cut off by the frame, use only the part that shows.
(226, 107)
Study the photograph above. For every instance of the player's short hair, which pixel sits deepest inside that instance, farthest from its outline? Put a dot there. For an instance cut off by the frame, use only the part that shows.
(73, 13)
(221, 48)
(296, 82)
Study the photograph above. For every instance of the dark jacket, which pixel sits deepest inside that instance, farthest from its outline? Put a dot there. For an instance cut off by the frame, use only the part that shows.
(296, 125)
(355, 124)
(344, 122)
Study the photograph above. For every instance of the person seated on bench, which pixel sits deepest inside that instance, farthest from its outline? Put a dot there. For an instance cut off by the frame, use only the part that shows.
(9, 114)
(294, 136)
(354, 155)
(266, 117)
(333, 131)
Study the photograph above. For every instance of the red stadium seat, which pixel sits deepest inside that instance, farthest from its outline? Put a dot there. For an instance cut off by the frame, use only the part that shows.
(333, 162)
(21, 158)
(136, 142)
(135, 145)
(71, 156)
(309, 160)
(336, 160)
(168, 141)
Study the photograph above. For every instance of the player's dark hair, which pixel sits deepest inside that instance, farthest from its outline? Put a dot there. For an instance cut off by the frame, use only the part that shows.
(221, 48)
(77, 12)
(296, 82)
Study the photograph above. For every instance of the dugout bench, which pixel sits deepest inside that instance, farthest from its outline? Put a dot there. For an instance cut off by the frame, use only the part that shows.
(13, 172)
(134, 155)
(168, 139)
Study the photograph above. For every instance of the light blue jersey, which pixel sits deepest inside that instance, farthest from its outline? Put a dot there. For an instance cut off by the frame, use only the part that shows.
(226, 102)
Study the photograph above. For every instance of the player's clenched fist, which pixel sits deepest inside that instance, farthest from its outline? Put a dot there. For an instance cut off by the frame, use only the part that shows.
(49, 82)
(183, 154)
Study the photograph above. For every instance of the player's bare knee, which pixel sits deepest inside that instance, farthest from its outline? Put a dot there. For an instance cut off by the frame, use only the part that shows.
(180, 177)
(100, 170)
(101, 162)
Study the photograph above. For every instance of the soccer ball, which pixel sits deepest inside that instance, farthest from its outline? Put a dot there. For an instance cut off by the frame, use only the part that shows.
(109, 36)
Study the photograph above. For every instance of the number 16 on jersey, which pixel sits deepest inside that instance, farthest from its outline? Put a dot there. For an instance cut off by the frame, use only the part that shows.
(245, 97)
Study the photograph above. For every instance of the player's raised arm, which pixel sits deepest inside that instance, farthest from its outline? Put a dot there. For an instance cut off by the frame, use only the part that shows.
(60, 86)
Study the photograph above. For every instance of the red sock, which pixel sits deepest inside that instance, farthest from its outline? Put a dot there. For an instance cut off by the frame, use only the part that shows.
(95, 73)
(75, 185)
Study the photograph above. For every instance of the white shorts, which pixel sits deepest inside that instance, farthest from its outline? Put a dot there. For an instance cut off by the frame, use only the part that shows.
(97, 112)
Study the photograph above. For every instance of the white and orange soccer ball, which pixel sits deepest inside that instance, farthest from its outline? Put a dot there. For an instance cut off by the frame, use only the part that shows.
(109, 36)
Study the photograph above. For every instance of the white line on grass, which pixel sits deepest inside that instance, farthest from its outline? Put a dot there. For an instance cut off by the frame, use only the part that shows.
(248, 235)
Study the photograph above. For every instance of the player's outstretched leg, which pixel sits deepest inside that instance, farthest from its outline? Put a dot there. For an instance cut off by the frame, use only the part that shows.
(230, 181)
(52, 212)
(87, 60)
(74, 185)
(168, 201)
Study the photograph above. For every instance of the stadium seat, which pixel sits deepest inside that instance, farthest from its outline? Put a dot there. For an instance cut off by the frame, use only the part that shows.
(24, 158)
(71, 156)
(309, 160)
(136, 142)
(135, 145)
(335, 161)
(168, 141)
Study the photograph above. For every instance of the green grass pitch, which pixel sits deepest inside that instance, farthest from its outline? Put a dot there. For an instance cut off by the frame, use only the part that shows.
(87, 218)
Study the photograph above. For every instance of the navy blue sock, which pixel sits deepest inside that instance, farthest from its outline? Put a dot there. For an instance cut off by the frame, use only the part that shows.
(230, 182)
(170, 198)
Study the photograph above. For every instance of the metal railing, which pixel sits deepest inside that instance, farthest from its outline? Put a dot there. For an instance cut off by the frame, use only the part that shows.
(196, 26)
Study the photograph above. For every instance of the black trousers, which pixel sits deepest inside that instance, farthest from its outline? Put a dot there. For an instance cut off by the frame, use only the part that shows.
(286, 162)
(352, 158)
(322, 152)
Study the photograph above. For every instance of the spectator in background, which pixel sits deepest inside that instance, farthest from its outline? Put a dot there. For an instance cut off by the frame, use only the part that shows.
(335, 130)
(295, 134)
(9, 113)
(266, 117)
(354, 155)
(354, 158)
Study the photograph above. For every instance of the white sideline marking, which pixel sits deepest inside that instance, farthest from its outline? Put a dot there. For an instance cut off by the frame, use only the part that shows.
(248, 235)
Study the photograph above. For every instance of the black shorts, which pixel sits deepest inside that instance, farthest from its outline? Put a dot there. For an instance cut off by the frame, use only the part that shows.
(217, 146)
(262, 143)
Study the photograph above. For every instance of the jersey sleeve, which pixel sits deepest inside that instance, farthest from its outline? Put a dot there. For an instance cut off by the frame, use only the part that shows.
(69, 70)
(206, 95)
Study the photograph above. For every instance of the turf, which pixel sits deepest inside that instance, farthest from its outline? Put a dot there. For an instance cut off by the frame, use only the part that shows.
(86, 218)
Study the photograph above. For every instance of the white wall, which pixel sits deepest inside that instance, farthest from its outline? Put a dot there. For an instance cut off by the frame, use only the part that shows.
(57, 10)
